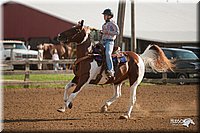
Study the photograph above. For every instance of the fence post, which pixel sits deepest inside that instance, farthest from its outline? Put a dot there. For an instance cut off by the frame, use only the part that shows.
(27, 74)
(120, 22)
(164, 77)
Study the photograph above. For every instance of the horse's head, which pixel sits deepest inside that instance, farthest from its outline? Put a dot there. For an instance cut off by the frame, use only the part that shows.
(75, 34)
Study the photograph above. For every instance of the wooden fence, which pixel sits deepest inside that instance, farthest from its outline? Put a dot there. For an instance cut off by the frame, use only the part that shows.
(27, 73)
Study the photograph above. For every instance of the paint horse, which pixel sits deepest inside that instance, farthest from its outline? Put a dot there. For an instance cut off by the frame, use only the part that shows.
(88, 69)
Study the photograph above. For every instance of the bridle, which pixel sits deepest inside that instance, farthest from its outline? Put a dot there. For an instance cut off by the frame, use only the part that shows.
(73, 36)
(88, 55)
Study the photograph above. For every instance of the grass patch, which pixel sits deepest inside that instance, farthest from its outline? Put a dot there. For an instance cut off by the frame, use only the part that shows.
(41, 86)
(40, 77)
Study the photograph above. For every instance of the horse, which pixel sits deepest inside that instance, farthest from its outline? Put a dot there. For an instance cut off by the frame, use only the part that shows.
(64, 50)
(87, 68)
(49, 48)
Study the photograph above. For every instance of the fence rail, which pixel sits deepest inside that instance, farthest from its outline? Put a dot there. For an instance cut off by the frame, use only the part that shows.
(18, 72)
(24, 62)
(27, 73)
(171, 80)
(21, 82)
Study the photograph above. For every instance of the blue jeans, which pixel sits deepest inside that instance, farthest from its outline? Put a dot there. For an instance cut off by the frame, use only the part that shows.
(109, 45)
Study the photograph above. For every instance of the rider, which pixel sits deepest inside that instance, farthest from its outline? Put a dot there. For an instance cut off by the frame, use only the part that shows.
(109, 32)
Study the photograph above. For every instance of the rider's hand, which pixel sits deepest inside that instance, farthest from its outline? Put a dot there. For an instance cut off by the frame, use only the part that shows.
(101, 32)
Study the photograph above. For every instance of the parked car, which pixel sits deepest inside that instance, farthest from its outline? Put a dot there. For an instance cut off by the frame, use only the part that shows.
(187, 65)
(16, 50)
(196, 50)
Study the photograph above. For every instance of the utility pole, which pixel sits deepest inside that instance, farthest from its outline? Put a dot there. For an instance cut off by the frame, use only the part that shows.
(120, 22)
(133, 38)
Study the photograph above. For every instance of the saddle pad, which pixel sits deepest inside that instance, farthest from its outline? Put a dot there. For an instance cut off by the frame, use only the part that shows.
(121, 59)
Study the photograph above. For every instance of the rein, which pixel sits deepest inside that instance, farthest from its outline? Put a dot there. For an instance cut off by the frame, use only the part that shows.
(89, 55)
(84, 58)
(79, 31)
(73, 36)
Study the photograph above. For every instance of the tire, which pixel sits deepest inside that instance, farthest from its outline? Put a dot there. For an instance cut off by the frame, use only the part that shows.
(182, 76)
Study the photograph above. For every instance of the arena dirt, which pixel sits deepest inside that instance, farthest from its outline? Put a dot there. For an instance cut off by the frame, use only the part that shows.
(155, 109)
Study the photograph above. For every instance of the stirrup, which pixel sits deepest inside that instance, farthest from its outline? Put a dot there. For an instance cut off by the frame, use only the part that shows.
(110, 74)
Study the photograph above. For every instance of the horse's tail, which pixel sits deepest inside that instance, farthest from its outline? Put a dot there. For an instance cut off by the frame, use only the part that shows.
(155, 58)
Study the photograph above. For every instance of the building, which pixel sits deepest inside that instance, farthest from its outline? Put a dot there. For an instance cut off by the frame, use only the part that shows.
(30, 25)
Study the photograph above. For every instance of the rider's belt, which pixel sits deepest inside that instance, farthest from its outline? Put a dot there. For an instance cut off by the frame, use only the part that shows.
(108, 39)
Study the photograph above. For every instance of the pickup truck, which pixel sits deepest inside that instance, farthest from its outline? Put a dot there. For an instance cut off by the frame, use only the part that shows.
(16, 50)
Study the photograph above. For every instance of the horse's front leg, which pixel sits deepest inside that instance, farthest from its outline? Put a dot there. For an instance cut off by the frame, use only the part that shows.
(67, 87)
(83, 80)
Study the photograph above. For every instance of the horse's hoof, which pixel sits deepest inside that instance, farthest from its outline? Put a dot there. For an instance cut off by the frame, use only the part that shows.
(124, 117)
(104, 109)
(70, 105)
(62, 110)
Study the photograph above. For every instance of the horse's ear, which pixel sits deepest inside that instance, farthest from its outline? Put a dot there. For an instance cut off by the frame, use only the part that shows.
(82, 21)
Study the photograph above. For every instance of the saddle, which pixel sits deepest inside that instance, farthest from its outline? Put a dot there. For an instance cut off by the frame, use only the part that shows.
(117, 56)
(118, 59)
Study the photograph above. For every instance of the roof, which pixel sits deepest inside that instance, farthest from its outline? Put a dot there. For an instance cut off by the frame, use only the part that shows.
(167, 22)
(163, 22)
(11, 41)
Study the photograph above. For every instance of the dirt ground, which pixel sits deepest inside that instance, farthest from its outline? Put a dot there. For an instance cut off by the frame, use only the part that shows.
(158, 108)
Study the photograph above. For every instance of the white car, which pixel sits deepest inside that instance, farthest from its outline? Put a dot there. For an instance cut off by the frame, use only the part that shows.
(16, 50)
(19, 50)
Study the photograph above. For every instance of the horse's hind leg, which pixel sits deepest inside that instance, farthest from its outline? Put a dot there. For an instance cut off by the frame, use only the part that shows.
(117, 94)
(132, 101)
(67, 87)
(134, 80)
